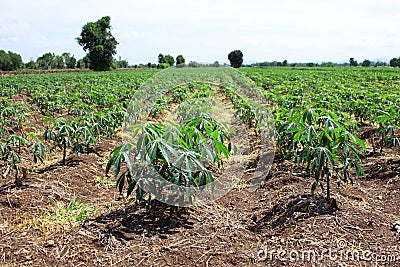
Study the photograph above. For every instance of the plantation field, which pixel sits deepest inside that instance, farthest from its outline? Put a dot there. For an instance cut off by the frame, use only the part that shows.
(301, 159)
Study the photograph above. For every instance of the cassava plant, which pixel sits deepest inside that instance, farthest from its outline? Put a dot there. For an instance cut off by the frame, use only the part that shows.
(323, 145)
(178, 153)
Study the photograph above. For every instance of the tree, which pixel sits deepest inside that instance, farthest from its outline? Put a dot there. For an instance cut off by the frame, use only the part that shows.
(161, 59)
(31, 65)
(180, 60)
(5, 62)
(46, 61)
(96, 38)
(59, 62)
(353, 62)
(10, 61)
(194, 64)
(122, 63)
(394, 62)
(216, 64)
(236, 58)
(169, 59)
(327, 64)
(284, 63)
(70, 61)
(366, 63)
(16, 60)
(83, 63)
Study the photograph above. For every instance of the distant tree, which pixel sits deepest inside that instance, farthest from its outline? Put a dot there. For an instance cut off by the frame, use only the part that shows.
(5, 61)
(83, 63)
(46, 61)
(394, 62)
(69, 60)
(353, 62)
(59, 62)
(169, 59)
(96, 38)
(194, 64)
(149, 65)
(327, 64)
(236, 58)
(16, 60)
(10, 61)
(80, 64)
(161, 59)
(122, 64)
(366, 63)
(380, 64)
(163, 66)
(31, 65)
(216, 64)
(284, 63)
(180, 60)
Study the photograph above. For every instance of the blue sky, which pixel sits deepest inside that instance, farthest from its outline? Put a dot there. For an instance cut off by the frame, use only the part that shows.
(207, 30)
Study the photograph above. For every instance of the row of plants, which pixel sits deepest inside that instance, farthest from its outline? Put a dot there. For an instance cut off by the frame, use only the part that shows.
(319, 114)
(64, 112)
(360, 97)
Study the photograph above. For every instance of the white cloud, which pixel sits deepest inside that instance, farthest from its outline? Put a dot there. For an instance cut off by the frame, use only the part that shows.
(207, 30)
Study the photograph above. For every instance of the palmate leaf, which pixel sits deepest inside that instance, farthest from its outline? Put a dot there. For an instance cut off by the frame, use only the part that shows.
(115, 160)
(356, 140)
(309, 116)
(221, 148)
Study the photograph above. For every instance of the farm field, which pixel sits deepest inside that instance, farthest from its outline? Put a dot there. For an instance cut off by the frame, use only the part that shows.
(335, 133)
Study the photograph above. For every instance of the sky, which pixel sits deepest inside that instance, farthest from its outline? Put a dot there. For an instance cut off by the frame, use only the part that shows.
(207, 30)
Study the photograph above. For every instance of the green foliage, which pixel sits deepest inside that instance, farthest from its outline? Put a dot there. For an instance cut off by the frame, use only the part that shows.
(319, 111)
(179, 154)
(394, 62)
(69, 60)
(169, 59)
(62, 134)
(353, 62)
(163, 66)
(121, 64)
(161, 59)
(236, 58)
(47, 61)
(74, 211)
(96, 38)
(180, 60)
(317, 140)
(366, 63)
(10, 61)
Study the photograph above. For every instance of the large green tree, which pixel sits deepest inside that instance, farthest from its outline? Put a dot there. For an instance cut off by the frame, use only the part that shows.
(169, 59)
(180, 60)
(236, 58)
(394, 62)
(97, 40)
(10, 61)
(366, 63)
